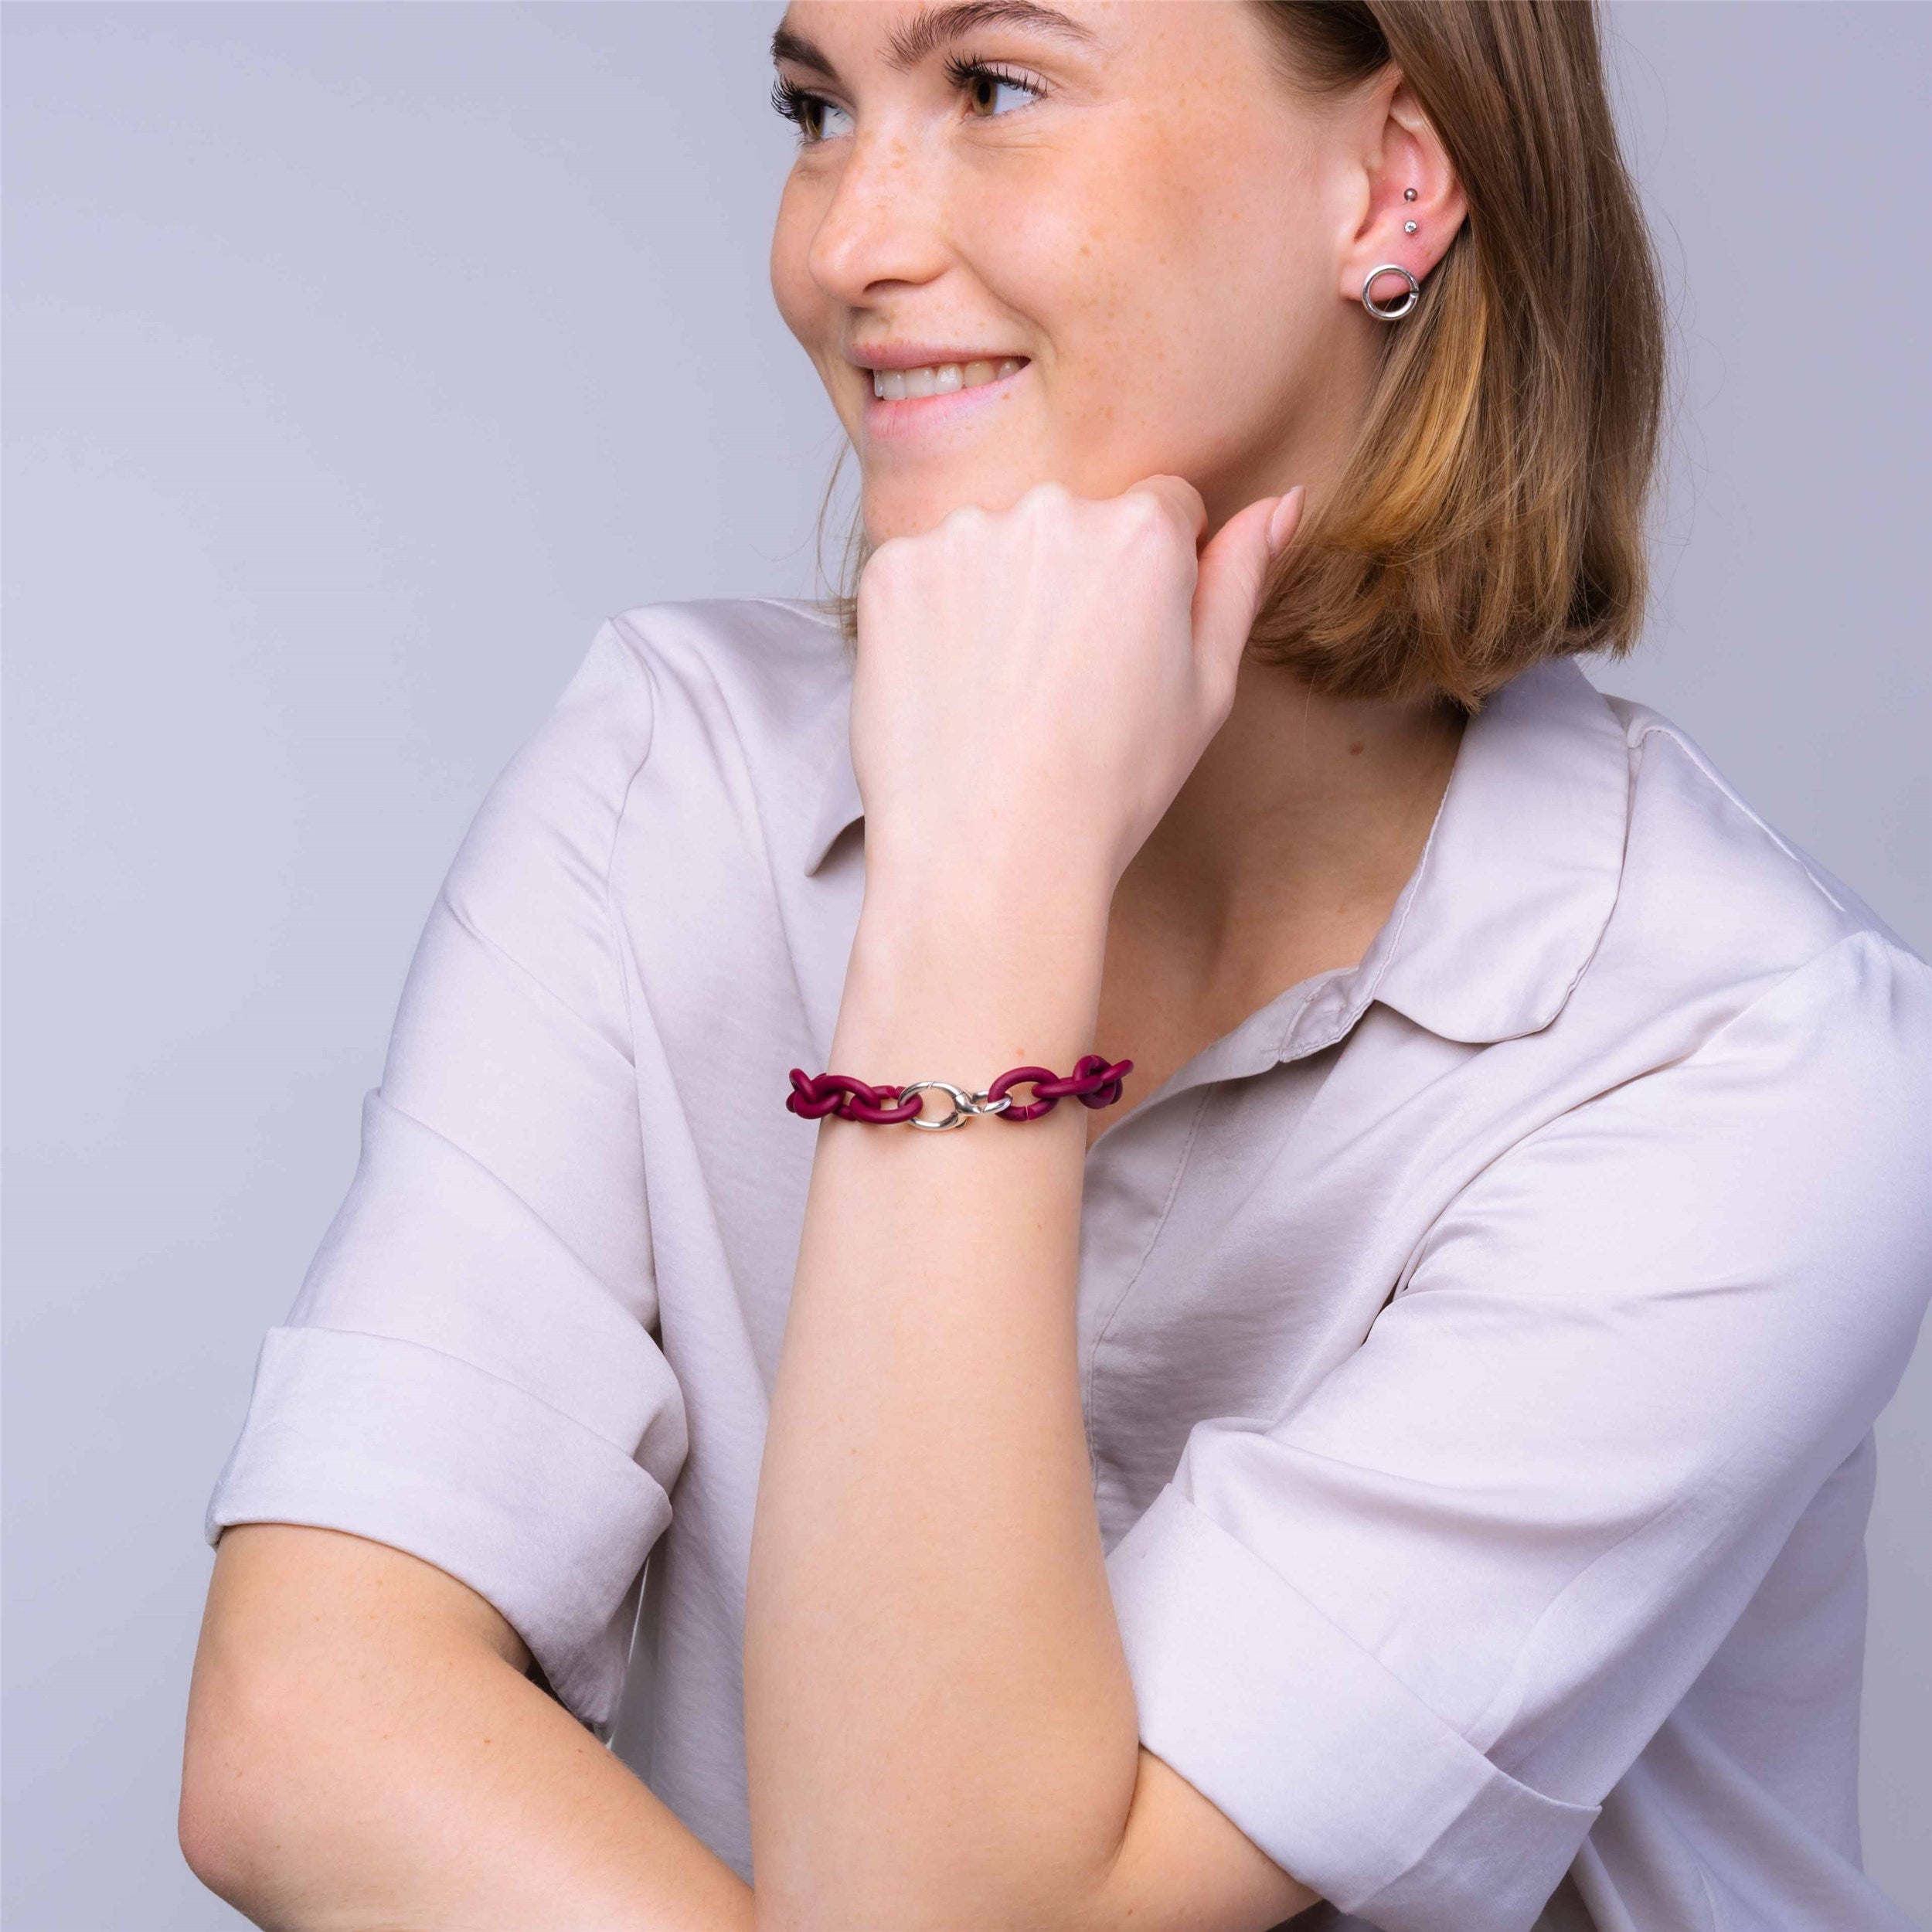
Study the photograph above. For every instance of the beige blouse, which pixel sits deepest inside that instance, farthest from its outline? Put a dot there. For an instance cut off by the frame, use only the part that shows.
(1480, 1346)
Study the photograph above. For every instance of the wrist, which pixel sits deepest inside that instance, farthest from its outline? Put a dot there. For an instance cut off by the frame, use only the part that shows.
(970, 985)
(973, 893)
(1028, 990)
(974, 960)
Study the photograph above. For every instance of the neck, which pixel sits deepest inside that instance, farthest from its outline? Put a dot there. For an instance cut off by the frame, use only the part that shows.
(1285, 850)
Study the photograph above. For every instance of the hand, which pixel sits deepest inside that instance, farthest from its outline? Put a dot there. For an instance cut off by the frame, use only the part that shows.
(1034, 685)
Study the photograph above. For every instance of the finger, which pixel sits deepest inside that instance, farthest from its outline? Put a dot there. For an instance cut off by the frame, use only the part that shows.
(1177, 492)
(1233, 575)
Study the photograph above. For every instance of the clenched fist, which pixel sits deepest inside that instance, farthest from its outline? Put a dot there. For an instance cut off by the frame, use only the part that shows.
(1034, 685)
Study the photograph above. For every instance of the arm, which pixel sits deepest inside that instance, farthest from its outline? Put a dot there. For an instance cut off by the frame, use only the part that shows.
(364, 1749)
(1413, 1627)
(940, 1727)
(463, 1440)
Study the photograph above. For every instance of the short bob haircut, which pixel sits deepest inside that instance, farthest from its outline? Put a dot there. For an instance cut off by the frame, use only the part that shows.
(1491, 512)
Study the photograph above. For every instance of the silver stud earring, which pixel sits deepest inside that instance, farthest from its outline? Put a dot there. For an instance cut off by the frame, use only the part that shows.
(1408, 228)
(1408, 194)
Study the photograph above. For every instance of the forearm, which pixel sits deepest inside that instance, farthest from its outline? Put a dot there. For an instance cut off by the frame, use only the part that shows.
(939, 1724)
(428, 1785)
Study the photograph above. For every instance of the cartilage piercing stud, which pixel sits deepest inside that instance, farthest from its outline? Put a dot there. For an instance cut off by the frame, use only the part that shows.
(1408, 194)
(1408, 228)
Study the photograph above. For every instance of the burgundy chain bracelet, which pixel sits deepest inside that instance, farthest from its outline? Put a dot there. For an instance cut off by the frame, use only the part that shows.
(1094, 1082)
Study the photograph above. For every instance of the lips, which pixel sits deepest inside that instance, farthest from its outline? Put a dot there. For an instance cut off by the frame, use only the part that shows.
(921, 390)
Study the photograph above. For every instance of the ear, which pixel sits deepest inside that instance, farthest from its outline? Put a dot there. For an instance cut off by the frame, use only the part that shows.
(1401, 150)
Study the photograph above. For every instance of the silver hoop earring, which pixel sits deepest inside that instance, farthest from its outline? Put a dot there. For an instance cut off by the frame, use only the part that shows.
(1409, 301)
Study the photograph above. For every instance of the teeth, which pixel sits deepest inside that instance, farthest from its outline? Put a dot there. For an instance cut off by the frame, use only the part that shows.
(940, 379)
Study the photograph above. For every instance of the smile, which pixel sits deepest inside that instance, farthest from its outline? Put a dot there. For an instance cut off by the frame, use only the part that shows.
(940, 379)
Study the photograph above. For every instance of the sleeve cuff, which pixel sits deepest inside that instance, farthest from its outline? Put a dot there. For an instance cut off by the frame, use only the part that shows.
(387, 1439)
(1322, 1755)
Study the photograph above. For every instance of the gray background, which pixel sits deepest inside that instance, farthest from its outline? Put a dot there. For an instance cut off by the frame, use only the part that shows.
(360, 359)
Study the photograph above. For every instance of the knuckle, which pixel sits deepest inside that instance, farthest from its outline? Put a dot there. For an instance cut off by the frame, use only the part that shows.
(888, 564)
(1148, 521)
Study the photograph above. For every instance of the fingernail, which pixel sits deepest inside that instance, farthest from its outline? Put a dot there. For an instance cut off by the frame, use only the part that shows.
(1282, 522)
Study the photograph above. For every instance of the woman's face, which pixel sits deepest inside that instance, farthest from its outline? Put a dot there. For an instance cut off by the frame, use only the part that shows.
(1126, 201)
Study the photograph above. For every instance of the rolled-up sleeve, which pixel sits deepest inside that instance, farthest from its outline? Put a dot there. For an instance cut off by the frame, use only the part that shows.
(1408, 1635)
(470, 1371)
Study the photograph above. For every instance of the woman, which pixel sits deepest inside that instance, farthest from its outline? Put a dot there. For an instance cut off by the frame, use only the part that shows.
(1400, 1449)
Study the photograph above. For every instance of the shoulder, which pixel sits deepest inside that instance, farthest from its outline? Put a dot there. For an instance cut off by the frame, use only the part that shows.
(687, 694)
(1736, 1011)
(763, 661)
(750, 705)
(1710, 874)
(1748, 1047)
(1715, 905)
(658, 684)
(1731, 1113)
(760, 660)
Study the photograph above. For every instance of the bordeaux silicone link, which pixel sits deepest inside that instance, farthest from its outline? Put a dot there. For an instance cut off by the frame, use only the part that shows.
(1094, 1082)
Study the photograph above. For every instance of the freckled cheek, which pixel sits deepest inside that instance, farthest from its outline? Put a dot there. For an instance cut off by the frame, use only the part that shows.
(799, 300)
(1083, 263)
(806, 310)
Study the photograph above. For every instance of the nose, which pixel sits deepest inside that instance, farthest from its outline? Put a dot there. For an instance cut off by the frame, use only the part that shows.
(882, 226)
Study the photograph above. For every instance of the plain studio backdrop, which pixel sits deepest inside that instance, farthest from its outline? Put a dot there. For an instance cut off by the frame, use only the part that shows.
(360, 359)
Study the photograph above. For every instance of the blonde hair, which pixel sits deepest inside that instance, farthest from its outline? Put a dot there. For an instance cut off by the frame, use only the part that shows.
(1491, 511)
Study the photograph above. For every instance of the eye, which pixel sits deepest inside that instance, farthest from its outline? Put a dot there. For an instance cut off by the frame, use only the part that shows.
(991, 90)
(816, 118)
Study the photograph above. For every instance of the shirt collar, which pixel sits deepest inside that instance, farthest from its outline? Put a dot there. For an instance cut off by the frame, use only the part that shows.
(1512, 891)
(1516, 882)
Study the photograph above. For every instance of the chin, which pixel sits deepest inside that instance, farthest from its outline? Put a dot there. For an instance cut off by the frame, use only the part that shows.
(907, 506)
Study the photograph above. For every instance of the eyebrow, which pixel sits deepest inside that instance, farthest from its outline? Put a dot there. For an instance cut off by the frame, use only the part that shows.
(933, 27)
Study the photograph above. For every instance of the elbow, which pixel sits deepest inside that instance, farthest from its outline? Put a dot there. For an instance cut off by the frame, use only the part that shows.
(214, 1845)
(240, 1823)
